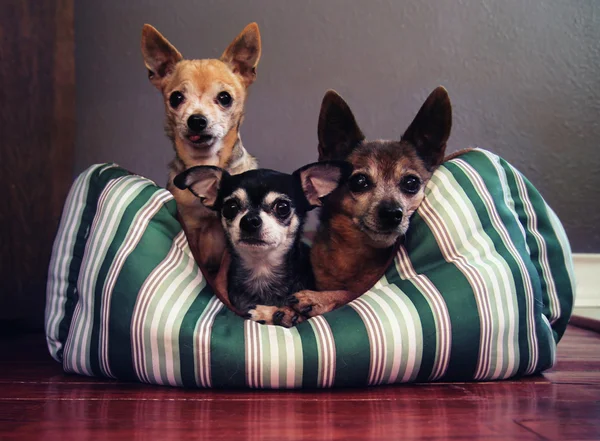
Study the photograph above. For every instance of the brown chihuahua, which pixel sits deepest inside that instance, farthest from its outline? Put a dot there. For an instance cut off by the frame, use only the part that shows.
(362, 220)
(204, 104)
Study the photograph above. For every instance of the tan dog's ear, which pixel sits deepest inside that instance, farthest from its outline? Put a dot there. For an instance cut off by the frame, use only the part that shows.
(430, 129)
(243, 54)
(338, 132)
(321, 178)
(204, 181)
(160, 56)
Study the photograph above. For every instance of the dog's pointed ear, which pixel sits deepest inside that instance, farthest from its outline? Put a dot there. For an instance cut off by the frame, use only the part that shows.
(204, 181)
(430, 129)
(160, 56)
(243, 54)
(338, 131)
(321, 178)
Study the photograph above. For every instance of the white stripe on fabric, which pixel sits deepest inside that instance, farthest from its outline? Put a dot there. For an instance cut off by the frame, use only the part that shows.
(135, 232)
(326, 348)
(404, 304)
(532, 223)
(101, 233)
(172, 327)
(451, 255)
(501, 229)
(147, 291)
(125, 190)
(273, 359)
(486, 262)
(439, 310)
(62, 253)
(560, 233)
(291, 337)
(167, 297)
(203, 348)
(377, 359)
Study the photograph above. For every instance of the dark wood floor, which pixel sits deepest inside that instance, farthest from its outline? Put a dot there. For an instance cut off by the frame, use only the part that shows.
(37, 401)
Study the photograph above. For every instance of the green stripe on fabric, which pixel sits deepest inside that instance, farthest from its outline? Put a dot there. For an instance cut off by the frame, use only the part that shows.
(564, 274)
(489, 176)
(113, 201)
(428, 260)
(496, 301)
(78, 229)
(187, 335)
(402, 330)
(351, 339)
(169, 312)
(121, 233)
(228, 351)
(500, 359)
(158, 300)
(554, 252)
(532, 242)
(429, 347)
(149, 252)
(310, 356)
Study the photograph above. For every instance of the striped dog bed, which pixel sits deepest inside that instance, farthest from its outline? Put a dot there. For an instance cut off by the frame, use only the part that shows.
(482, 289)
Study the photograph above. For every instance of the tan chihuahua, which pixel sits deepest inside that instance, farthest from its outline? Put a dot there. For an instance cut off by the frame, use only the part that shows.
(204, 104)
(362, 220)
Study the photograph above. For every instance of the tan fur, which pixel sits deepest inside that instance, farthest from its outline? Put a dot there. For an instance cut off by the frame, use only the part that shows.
(275, 315)
(458, 153)
(200, 81)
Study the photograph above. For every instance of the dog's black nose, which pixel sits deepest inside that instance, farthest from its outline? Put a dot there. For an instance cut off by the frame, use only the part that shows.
(390, 215)
(251, 223)
(197, 122)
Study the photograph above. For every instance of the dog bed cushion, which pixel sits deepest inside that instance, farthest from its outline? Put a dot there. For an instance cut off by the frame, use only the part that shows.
(481, 289)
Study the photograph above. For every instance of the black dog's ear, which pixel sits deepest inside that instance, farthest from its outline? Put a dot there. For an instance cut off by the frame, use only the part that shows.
(243, 54)
(338, 132)
(160, 56)
(321, 178)
(204, 181)
(430, 129)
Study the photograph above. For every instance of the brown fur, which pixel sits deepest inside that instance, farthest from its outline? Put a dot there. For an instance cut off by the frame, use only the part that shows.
(200, 81)
(348, 257)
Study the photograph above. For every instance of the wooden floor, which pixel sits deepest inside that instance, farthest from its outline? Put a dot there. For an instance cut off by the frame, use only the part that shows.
(37, 401)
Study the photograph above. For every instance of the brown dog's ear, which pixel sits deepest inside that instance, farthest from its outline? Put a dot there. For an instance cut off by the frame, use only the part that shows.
(338, 132)
(430, 129)
(321, 178)
(160, 56)
(203, 181)
(243, 54)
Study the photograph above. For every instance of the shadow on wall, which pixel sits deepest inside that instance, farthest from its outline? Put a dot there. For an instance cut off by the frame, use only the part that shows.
(523, 77)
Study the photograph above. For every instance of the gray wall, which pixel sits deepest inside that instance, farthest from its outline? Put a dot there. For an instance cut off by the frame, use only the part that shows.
(523, 75)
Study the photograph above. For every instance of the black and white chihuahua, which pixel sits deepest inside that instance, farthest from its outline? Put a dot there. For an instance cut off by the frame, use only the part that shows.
(263, 212)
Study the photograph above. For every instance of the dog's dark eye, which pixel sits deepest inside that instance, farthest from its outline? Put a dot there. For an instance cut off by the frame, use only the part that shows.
(282, 208)
(224, 99)
(359, 183)
(176, 99)
(410, 184)
(230, 209)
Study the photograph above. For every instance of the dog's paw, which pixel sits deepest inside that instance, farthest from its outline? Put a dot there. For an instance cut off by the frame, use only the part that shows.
(274, 315)
(310, 303)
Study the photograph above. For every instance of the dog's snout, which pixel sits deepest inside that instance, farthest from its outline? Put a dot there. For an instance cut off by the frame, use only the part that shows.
(197, 122)
(390, 215)
(251, 223)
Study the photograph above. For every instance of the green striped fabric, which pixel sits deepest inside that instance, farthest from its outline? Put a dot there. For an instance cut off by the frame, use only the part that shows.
(482, 289)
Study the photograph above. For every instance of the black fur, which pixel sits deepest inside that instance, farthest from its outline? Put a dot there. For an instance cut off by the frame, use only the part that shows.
(294, 272)
(295, 275)
(290, 269)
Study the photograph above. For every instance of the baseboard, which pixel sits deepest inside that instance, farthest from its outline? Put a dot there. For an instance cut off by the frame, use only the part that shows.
(587, 277)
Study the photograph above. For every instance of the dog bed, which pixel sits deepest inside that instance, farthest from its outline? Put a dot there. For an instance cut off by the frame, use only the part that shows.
(481, 289)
